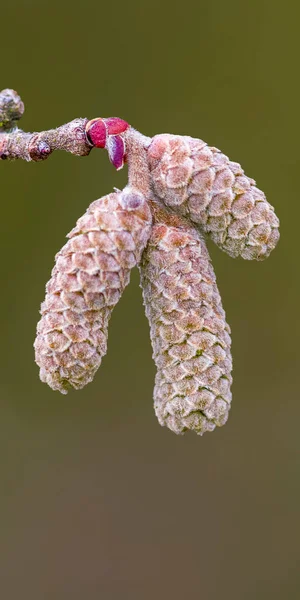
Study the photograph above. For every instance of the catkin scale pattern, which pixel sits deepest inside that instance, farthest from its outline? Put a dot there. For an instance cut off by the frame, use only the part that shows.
(190, 337)
(201, 183)
(89, 276)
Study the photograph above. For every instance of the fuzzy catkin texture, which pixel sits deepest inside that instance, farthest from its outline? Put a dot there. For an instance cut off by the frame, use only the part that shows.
(201, 183)
(189, 334)
(89, 276)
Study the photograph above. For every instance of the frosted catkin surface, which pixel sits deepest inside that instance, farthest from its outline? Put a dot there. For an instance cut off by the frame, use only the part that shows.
(201, 183)
(190, 336)
(89, 276)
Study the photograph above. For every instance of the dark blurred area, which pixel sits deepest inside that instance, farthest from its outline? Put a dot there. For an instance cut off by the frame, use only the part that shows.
(96, 499)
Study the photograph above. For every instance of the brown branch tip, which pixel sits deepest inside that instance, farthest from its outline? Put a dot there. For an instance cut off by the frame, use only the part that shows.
(179, 191)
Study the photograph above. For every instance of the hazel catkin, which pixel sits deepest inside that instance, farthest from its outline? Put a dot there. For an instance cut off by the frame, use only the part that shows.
(201, 183)
(89, 276)
(189, 334)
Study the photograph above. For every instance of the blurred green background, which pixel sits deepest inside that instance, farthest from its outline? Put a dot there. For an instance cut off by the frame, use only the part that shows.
(96, 499)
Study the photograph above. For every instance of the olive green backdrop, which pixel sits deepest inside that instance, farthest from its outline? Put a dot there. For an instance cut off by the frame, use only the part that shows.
(96, 499)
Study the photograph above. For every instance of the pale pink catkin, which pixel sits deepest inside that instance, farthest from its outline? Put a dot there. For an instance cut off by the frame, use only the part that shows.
(189, 334)
(89, 276)
(201, 183)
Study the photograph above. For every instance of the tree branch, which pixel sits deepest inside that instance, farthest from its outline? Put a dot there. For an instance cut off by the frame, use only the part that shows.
(15, 143)
(71, 137)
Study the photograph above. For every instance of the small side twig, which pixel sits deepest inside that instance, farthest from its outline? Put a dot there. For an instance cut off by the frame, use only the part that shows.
(11, 109)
